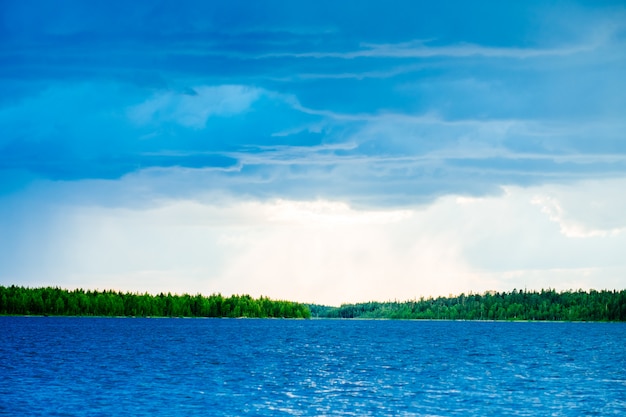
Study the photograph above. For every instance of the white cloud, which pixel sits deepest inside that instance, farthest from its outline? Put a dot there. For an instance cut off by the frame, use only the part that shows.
(326, 251)
(570, 228)
(422, 49)
(599, 213)
(193, 108)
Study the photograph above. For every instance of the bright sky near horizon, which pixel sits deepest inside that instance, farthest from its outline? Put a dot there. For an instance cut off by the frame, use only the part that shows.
(316, 151)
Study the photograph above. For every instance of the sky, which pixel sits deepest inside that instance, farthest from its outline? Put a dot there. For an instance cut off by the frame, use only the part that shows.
(316, 151)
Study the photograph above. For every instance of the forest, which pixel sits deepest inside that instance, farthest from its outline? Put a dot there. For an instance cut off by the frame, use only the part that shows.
(515, 305)
(50, 301)
(541, 305)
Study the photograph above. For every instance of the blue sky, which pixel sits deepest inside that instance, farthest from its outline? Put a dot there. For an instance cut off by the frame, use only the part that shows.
(316, 151)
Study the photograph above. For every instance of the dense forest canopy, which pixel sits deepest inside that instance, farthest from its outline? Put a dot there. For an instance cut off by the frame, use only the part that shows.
(59, 302)
(515, 305)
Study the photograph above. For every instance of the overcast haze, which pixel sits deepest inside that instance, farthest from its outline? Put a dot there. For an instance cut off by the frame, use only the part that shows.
(317, 151)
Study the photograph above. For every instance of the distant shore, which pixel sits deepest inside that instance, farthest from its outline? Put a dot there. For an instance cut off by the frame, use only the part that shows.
(544, 305)
(518, 306)
(53, 301)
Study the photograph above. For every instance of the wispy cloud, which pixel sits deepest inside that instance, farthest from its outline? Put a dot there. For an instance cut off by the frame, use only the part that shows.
(570, 228)
(193, 107)
(424, 49)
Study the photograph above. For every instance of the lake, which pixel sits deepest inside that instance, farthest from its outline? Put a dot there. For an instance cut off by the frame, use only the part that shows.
(229, 367)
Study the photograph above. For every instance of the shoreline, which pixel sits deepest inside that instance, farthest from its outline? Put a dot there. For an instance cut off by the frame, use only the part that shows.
(308, 319)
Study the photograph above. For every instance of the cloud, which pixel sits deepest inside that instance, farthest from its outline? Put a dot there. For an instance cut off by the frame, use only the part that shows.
(193, 107)
(247, 140)
(312, 153)
(285, 104)
(598, 215)
(421, 49)
(107, 130)
(320, 250)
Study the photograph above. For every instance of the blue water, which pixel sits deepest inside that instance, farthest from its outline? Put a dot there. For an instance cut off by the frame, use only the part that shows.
(103, 366)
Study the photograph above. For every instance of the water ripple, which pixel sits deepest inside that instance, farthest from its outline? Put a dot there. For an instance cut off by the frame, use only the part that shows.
(84, 366)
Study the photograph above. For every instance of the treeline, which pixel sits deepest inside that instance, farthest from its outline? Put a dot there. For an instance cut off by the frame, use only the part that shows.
(515, 305)
(16, 300)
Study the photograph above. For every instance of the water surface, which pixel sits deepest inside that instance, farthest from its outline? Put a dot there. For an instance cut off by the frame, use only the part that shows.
(226, 367)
